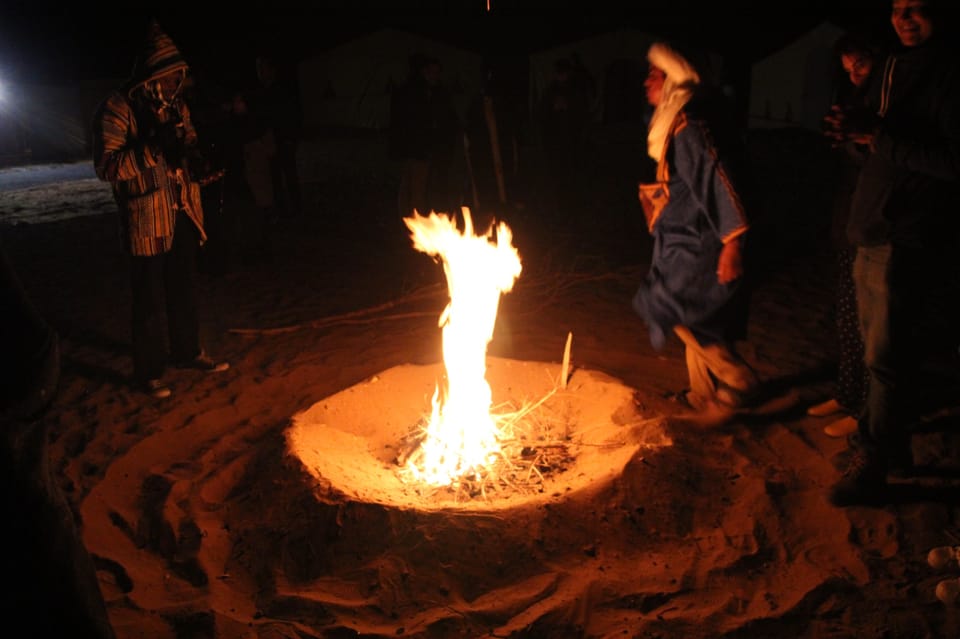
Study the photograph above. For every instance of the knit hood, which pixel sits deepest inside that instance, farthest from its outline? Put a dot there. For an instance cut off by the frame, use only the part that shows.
(159, 57)
(678, 87)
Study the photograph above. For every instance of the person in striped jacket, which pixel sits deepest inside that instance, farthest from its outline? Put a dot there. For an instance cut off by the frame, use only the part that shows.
(145, 146)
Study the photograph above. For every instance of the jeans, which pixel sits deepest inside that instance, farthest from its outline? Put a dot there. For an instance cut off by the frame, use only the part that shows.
(886, 303)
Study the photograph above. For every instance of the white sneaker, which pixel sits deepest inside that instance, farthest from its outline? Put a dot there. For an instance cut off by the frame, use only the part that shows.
(943, 555)
(157, 388)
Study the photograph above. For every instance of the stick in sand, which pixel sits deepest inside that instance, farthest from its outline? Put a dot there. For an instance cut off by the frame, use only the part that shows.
(565, 369)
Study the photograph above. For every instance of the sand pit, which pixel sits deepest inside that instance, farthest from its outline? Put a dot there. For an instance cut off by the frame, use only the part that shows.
(576, 438)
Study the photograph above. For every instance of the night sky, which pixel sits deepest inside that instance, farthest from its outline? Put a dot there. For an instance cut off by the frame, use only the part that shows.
(49, 42)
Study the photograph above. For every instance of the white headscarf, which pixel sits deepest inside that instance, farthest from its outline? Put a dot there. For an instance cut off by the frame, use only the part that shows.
(678, 86)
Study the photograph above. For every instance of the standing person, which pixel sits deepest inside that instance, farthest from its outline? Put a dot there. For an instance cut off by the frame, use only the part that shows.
(281, 106)
(860, 60)
(424, 135)
(904, 223)
(492, 145)
(562, 117)
(144, 146)
(694, 286)
(253, 125)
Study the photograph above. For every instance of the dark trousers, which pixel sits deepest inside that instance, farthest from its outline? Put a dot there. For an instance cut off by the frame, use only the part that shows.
(163, 285)
(286, 178)
(906, 301)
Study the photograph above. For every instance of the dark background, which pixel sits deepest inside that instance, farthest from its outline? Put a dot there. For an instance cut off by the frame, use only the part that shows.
(48, 42)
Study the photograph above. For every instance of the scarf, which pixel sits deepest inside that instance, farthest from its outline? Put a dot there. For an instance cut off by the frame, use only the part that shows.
(678, 86)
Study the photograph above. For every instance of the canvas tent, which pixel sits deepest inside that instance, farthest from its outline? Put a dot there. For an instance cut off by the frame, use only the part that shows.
(350, 84)
(793, 87)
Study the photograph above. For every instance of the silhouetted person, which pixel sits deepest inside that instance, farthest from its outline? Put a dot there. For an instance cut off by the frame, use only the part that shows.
(145, 145)
(492, 132)
(562, 117)
(861, 63)
(280, 104)
(424, 134)
(904, 223)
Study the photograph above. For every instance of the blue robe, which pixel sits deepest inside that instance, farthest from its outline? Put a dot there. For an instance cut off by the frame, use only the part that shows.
(703, 210)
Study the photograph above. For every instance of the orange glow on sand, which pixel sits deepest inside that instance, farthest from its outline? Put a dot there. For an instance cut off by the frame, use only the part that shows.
(461, 436)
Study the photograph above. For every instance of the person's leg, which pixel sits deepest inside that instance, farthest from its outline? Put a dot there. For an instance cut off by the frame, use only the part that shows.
(702, 386)
(178, 273)
(440, 191)
(883, 283)
(697, 372)
(866, 472)
(287, 184)
(852, 374)
(722, 361)
(259, 157)
(149, 345)
(419, 183)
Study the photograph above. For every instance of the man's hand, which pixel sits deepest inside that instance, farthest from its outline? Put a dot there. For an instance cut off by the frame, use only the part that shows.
(850, 125)
(730, 264)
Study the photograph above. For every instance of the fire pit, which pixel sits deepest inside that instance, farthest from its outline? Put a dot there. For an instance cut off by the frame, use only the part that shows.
(569, 440)
(448, 499)
(472, 449)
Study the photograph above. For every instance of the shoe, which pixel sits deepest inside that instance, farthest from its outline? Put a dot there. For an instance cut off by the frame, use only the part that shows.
(948, 590)
(943, 556)
(825, 409)
(203, 362)
(157, 388)
(863, 482)
(842, 427)
(730, 397)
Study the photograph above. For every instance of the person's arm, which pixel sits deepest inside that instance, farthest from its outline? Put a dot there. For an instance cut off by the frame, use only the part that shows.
(699, 164)
(117, 154)
(933, 150)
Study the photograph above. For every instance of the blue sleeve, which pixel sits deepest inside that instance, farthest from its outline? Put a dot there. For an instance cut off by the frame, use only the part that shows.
(698, 163)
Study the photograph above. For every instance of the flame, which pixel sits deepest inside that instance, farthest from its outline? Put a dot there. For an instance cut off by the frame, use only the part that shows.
(461, 437)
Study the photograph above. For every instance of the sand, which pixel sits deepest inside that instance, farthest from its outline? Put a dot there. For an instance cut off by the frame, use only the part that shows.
(257, 502)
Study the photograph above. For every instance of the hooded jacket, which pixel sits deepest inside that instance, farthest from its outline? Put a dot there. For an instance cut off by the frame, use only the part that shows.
(907, 191)
(148, 184)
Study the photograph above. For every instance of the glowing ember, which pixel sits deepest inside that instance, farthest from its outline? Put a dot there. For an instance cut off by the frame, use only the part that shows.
(461, 437)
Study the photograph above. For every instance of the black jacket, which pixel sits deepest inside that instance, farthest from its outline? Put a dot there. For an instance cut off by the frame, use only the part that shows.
(908, 191)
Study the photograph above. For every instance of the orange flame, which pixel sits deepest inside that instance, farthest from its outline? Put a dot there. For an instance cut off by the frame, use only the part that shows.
(461, 437)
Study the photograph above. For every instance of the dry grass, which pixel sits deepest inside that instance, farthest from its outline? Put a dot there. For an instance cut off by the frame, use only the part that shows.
(535, 445)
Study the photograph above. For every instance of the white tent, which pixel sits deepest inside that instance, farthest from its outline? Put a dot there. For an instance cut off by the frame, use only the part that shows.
(350, 85)
(793, 87)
